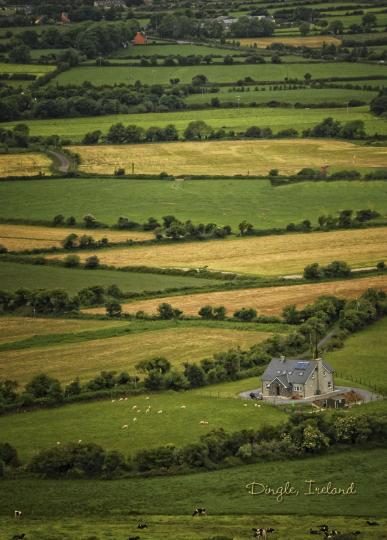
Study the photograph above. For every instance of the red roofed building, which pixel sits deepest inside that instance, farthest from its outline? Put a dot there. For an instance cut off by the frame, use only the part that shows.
(140, 39)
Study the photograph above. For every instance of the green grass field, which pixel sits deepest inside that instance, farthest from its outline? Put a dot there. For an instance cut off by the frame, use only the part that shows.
(32, 69)
(265, 72)
(58, 510)
(337, 95)
(236, 119)
(102, 422)
(363, 357)
(14, 276)
(220, 201)
(171, 49)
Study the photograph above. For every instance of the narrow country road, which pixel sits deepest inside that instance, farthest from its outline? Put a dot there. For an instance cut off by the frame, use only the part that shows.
(64, 161)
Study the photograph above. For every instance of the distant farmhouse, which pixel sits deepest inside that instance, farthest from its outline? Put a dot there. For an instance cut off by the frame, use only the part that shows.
(297, 378)
(228, 21)
(108, 4)
(140, 39)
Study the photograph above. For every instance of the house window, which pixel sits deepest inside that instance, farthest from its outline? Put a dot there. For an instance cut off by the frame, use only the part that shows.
(297, 388)
(324, 373)
(329, 384)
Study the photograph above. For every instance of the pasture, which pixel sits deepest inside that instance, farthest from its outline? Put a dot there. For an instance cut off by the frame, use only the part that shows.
(229, 119)
(264, 95)
(267, 300)
(102, 422)
(98, 75)
(364, 356)
(296, 41)
(202, 201)
(170, 49)
(228, 158)
(24, 164)
(166, 503)
(22, 237)
(86, 358)
(268, 255)
(14, 276)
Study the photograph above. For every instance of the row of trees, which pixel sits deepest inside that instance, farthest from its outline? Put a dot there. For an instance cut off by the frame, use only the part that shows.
(300, 436)
(345, 219)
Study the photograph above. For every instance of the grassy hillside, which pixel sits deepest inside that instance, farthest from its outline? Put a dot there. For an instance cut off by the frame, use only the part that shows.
(229, 157)
(236, 119)
(221, 201)
(363, 357)
(223, 493)
(102, 422)
(13, 276)
(268, 255)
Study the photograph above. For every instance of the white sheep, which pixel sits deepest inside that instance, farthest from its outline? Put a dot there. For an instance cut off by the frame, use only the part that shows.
(134, 407)
(121, 398)
(245, 404)
(113, 400)
(203, 422)
(160, 411)
(134, 419)
(57, 442)
(124, 426)
(183, 406)
(147, 397)
(80, 440)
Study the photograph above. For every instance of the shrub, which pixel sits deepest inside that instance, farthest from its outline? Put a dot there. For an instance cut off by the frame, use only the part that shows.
(92, 262)
(72, 261)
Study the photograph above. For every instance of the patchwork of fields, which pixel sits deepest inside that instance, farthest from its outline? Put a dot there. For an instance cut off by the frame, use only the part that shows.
(267, 301)
(255, 157)
(267, 255)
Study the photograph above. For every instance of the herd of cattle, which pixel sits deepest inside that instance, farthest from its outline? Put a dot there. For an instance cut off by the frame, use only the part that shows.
(258, 532)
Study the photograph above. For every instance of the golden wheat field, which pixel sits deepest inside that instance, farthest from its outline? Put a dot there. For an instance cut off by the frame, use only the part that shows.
(19, 328)
(21, 237)
(24, 164)
(87, 359)
(255, 157)
(268, 255)
(296, 41)
(267, 301)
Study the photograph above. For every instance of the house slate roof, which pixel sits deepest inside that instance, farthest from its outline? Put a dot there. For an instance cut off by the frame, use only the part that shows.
(291, 371)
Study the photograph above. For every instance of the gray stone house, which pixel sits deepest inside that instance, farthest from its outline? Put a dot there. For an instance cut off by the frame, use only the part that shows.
(297, 378)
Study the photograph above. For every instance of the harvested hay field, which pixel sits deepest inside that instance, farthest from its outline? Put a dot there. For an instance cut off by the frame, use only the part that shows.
(268, 255)
(24, 164)
(87, 359)
(296, 41)
(20, 328)
(255, 157)
(22, 237)
(267, 301)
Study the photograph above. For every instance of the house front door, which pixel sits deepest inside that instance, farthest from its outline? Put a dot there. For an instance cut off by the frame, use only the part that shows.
(277, 390)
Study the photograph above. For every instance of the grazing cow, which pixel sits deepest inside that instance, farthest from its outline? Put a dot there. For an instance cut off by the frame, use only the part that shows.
(142, 525)
(323, 528)
(133, 538)
(19, 536)
(372, 523)
(18, 514)
(313, 531)
(261, 532)
(199, 512)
